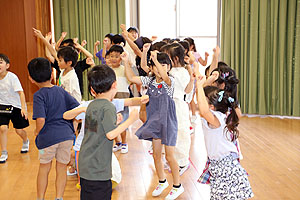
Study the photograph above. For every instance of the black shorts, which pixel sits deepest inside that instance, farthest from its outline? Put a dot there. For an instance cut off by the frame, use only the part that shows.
(94, 190)
(16, 118)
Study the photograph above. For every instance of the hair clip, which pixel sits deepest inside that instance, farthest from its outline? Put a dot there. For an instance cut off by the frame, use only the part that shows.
(224, 75)
(230, 99)
(220, 95)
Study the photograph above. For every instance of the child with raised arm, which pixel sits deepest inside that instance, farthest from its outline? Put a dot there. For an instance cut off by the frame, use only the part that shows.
(107, 43)
(161, 124)
(227, 178)
(100, 129)
(12, 107)
(54, 135)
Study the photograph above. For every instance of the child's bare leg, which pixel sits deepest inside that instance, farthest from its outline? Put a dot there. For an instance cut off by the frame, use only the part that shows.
(71, 164)
(173, 164)
(42, 179)
(157, 149)
(123, 136)
(3, 137)
(22, 133)
(61, 179)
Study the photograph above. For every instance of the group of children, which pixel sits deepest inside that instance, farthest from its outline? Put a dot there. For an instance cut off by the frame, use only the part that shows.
(167, 72)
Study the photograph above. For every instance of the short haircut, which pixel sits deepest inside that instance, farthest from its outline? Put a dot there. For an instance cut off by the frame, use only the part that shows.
(4, 57)
(39, 70)
(133, 28)
(110, 36)
(101, 78)
(115, 48)
(67, 42)
(118, 39)
(68, 54)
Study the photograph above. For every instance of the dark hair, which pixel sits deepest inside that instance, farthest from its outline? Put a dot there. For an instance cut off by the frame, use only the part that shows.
(115, 48)
(157, 46)
(192, 42)
(141, 41)
(5, 58)
(68, 54)
(207, 70)
(175, 50)
(220, 99)
(167, 40)
(40, 70)
(101, 78)
(186, 45)
(110, 36)
(67, 43)
(118, 39)
(162, 58)
(133, 28)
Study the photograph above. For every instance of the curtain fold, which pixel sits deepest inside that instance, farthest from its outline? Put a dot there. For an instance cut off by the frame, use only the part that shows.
(88, 20)
(260, 40)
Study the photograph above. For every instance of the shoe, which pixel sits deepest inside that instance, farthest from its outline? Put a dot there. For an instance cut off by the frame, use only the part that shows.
(25, 147)
(183, 169)
(160, 188)
(175, 192)
(117, 147)
(124, 148)
(194, 119)
(3, 158)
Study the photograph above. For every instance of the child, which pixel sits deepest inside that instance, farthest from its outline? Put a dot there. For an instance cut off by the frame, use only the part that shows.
(54, 135)
(227, 178)
(12, 107)
(100, 130)
(161, 124)
(79, 114)
(114, 54)
(106, 46)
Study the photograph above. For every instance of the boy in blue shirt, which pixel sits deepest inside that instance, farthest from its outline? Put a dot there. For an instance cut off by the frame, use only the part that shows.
(54, 135)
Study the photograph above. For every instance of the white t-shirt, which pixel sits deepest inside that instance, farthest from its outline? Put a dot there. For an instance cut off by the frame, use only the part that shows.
(182, 79)
(9, 88)
(118, 103)
(70, 83)
(122, 82)
(217, 140)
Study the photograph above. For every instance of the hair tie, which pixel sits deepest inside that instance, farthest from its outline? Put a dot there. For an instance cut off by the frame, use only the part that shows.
(230, 99)
(224, 75)
(220, 95)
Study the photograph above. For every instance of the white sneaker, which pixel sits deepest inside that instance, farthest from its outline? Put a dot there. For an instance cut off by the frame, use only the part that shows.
(117, 147)
(3, 158)
(175, 192)
(124, 148)
(183, 169)
(25, 147)
(160, 188)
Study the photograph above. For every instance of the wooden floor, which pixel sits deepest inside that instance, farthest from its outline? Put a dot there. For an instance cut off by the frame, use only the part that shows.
(270, 146)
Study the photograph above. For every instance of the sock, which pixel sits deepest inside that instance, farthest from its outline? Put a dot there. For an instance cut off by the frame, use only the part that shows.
(118, 143)
(177, 186)
(163, 181)
(25, 141)
(4, 152)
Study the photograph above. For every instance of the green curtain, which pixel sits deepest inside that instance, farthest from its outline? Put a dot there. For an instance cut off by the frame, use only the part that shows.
(88, 20)
(260, 39)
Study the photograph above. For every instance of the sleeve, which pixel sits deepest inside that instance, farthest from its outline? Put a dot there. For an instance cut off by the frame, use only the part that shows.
(16, 83)
(39, 110)
(119, 104)
(109, 119)
(172, 82)
(74, 88)
(83, 65)
(221, 117)
(145, 80)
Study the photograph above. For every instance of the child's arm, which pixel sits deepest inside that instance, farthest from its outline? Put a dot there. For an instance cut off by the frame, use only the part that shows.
(83, 50)
(133, 46)
(62, 37)
(90, 61)
(23, 104)
(128, 71)
(144, 66)
(203, 104)
(136, 101)
(39, 124)
(38, 34)
(71, 114)
(96, 48)
(203, 62)
(190, 85)
(123, 27)
(211, 78)
(214, 62)
(47, 52)
(105, 42)
(133, 116)
(163, 73)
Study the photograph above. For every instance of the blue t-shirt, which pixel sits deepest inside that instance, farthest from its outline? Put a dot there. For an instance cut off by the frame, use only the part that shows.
(99, 55)
(51, 103)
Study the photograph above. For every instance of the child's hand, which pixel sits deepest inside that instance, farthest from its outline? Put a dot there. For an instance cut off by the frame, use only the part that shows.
(123, 27)
(63, 34)
(24, 113)
(146, 47)
(90, 61)
(216, 51)
(75, 40)
(206, 55)
(153, 38)
(37, 33)
(124, 57)
(48, 36)
(105, 43)
(215, 74)
(200, 81)
(125, 34)
(97, 43)
(119, 118)
(153, 55)
(83, 43)
(77, 45)
(144, 99)
(134, 115)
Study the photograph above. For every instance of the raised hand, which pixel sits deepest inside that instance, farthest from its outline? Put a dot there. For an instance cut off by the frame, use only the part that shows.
(90, 61)
(123, 27)
(83, 43)
(48, 36)
(63, 34)
(146, 47)
(124, 56)
(37, 33)
(75, 40)
(97, 43)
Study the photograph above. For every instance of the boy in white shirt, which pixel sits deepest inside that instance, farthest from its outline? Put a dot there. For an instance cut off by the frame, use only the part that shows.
(12, 107)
